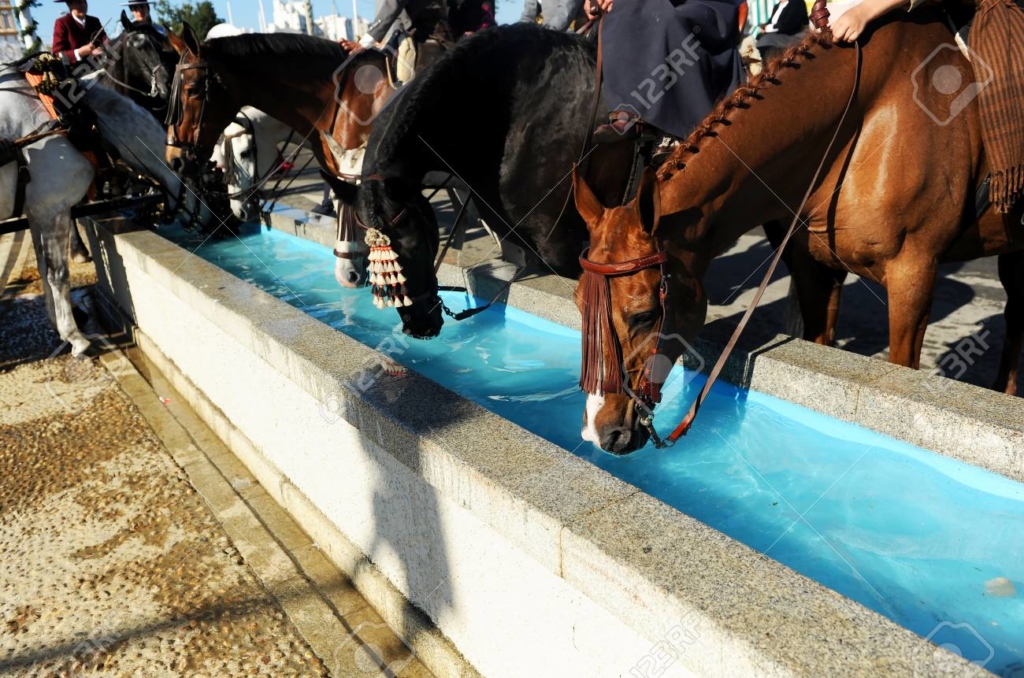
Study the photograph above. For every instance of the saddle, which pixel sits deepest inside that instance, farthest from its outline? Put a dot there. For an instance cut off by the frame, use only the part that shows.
(60, 93)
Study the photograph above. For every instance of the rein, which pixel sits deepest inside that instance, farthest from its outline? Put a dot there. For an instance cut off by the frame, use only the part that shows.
(598, 333)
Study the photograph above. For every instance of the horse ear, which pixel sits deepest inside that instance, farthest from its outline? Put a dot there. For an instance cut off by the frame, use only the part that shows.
(648, 200)
(190, 38)
(587, 204)
(176, 42)
(125, 23)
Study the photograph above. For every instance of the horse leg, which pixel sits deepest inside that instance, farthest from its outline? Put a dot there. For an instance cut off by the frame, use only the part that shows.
(910, 300)
(1011, 275)
(776, 231)
(79, 252)
(819, 289)
(52, 255)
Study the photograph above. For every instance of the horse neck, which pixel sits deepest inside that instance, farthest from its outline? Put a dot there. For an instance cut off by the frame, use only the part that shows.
(137, 136)
(752, 160)
(299, 99)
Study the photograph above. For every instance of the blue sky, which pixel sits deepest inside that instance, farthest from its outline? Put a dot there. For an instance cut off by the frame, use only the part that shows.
(245, 12)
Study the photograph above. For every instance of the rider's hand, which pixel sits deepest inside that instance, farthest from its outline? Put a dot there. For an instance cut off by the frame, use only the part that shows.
(849, 26)
(596, 8)
(88, 50)
(351, 47)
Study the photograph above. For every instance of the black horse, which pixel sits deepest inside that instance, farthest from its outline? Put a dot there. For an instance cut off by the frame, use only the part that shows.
(140, 63)
(507, 112)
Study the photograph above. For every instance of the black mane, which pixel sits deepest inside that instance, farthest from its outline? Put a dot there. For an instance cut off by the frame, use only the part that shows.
(497, 51)
(276, 44)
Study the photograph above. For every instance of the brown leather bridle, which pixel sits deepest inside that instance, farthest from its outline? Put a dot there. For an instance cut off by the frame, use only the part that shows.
(175, 108)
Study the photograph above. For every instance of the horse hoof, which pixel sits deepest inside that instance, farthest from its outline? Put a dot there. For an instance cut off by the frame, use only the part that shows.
(81, 348)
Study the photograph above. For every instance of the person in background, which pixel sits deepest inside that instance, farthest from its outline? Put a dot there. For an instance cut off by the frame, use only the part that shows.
(470, 16)
(141, 14)
(789, 21)
(558, 16)
(76, 35)
(428, 36)
(666, 63)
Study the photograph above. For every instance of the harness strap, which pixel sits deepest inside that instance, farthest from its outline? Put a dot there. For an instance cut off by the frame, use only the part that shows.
(457, 227)
(687, 422)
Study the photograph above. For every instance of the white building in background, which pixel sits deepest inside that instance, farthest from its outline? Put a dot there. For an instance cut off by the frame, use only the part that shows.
(292, 17)
(297, 17)
(336, 27)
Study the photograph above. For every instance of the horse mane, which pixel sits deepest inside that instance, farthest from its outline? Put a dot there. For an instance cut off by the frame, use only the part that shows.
(473, 50)
(276, 44)
(740, 99)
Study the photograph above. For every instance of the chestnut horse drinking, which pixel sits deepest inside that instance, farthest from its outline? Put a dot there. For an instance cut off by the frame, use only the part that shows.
(896, 197)
(312, 85)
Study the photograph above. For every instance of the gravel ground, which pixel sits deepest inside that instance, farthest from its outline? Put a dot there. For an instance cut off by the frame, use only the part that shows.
(110, 563)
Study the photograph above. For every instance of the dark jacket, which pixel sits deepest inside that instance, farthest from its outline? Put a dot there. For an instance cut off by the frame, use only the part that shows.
(68, 35)
(669, 61)
(793, 19)
(423, 15)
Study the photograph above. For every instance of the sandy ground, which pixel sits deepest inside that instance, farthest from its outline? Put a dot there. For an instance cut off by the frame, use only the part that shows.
(111, 562)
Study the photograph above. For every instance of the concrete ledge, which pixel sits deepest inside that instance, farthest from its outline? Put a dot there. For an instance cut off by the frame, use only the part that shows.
(548, 566)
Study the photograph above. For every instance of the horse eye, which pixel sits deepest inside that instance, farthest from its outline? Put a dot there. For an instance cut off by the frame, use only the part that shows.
(643, 318)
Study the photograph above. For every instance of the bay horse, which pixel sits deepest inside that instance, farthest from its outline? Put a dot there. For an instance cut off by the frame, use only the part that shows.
(61, 177)
(506, 112)
(328, 96)
(885, 207)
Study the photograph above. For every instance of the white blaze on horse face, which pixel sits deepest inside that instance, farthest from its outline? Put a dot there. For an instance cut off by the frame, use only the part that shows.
(595, 402)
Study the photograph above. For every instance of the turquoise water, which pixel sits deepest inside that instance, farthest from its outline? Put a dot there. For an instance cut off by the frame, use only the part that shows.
(905, 532)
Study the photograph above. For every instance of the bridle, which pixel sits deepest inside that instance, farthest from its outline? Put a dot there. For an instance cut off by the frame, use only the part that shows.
(346, 235)
(600, 339)
(176, 110)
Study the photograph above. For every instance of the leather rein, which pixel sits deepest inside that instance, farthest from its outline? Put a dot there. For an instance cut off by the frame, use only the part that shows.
(648, 392)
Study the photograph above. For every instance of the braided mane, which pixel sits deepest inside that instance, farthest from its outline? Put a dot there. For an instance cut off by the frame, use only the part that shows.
(739, 99)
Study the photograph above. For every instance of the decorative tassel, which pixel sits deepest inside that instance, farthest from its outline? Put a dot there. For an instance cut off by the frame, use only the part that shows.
(599, 341)
(386, 278)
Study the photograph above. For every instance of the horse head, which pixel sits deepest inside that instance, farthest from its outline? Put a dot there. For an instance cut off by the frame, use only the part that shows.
(239, 156)
(641, 302)
(199, 107)
(143, 63)
(397, 209)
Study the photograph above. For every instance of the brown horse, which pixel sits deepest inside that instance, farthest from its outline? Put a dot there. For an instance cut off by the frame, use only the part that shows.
(896, 197)
(314, 86)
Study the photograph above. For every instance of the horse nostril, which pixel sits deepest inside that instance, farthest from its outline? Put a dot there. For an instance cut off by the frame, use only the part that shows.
(617, 440)
(177, 165)
(353, 277)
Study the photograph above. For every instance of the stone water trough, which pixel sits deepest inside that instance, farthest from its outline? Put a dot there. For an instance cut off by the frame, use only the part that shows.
(493, 551)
